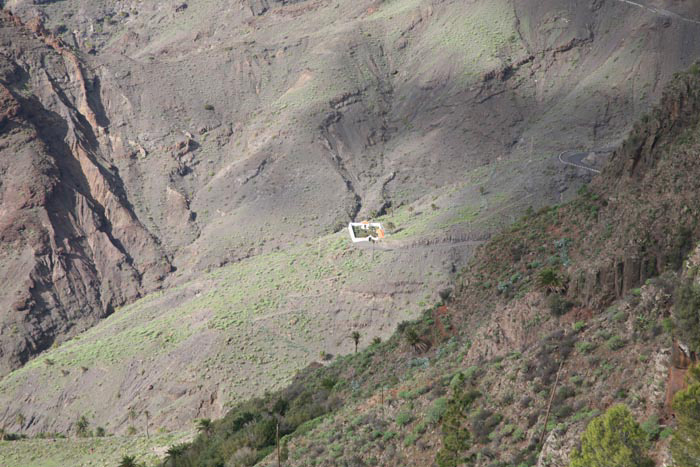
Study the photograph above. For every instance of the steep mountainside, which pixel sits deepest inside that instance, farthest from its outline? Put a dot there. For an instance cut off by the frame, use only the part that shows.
(553, 323)
(72, 248)
(215, 150)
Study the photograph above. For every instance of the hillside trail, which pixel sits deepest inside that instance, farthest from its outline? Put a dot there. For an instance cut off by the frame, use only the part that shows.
(570, 157)
(660, 11)
(579, 160)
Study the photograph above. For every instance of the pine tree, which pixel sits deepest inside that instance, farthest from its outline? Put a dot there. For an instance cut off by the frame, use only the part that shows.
(685, 444)
(456, 439)
(614, 439)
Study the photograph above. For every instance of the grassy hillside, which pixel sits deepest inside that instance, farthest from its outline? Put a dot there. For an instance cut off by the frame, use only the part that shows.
(224, 129)
(471, 381)
(198, 347)
(94, 452)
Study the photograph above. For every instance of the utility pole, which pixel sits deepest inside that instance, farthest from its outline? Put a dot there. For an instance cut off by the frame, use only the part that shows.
(549, 406)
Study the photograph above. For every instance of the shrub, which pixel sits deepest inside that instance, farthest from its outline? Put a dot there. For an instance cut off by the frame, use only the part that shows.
(437, 410)
(614, 439)
(507, 430)
(243, 456)
(484, 423)
(620, 316)
(558, 305)
(471, 373)
(404, 418)
(518, 434)
(694, 69)
(81, 426)
(685, 444)
(564, 393)
(578, 326)
(208, 107)
(548, 279)
(667, 325)
(410, 439)
(651, 427)
(585, 347)
(615, 343)
(564, 411)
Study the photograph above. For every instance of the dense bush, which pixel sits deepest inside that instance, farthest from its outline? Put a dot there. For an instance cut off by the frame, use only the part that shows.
(614, 439)
(404, 418)
(483, 423)
(437, 410)
(559, 305)
(685, 445)
(248, 432)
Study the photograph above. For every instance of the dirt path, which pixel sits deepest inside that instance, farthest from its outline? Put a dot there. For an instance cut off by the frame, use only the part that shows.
(576, 160)
(660, 11)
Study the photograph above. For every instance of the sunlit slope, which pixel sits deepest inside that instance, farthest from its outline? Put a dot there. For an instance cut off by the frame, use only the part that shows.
(189, 351)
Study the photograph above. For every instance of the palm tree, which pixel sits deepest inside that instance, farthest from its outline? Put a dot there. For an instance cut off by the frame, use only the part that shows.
(128, 461)
(173, 453)
(204, 426)
(415, 340)
(133, 414)
(355, 336)
(82, 426)
(549, 281)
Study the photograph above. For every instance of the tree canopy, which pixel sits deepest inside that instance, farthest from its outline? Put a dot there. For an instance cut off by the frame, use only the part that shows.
(614, 439)
(685, 445)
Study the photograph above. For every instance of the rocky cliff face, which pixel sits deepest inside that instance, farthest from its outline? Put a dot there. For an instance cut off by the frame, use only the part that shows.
(649, 198)
(72, 247)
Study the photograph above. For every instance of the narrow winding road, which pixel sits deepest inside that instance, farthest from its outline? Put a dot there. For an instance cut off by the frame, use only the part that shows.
(576, 159)
(660, 11)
